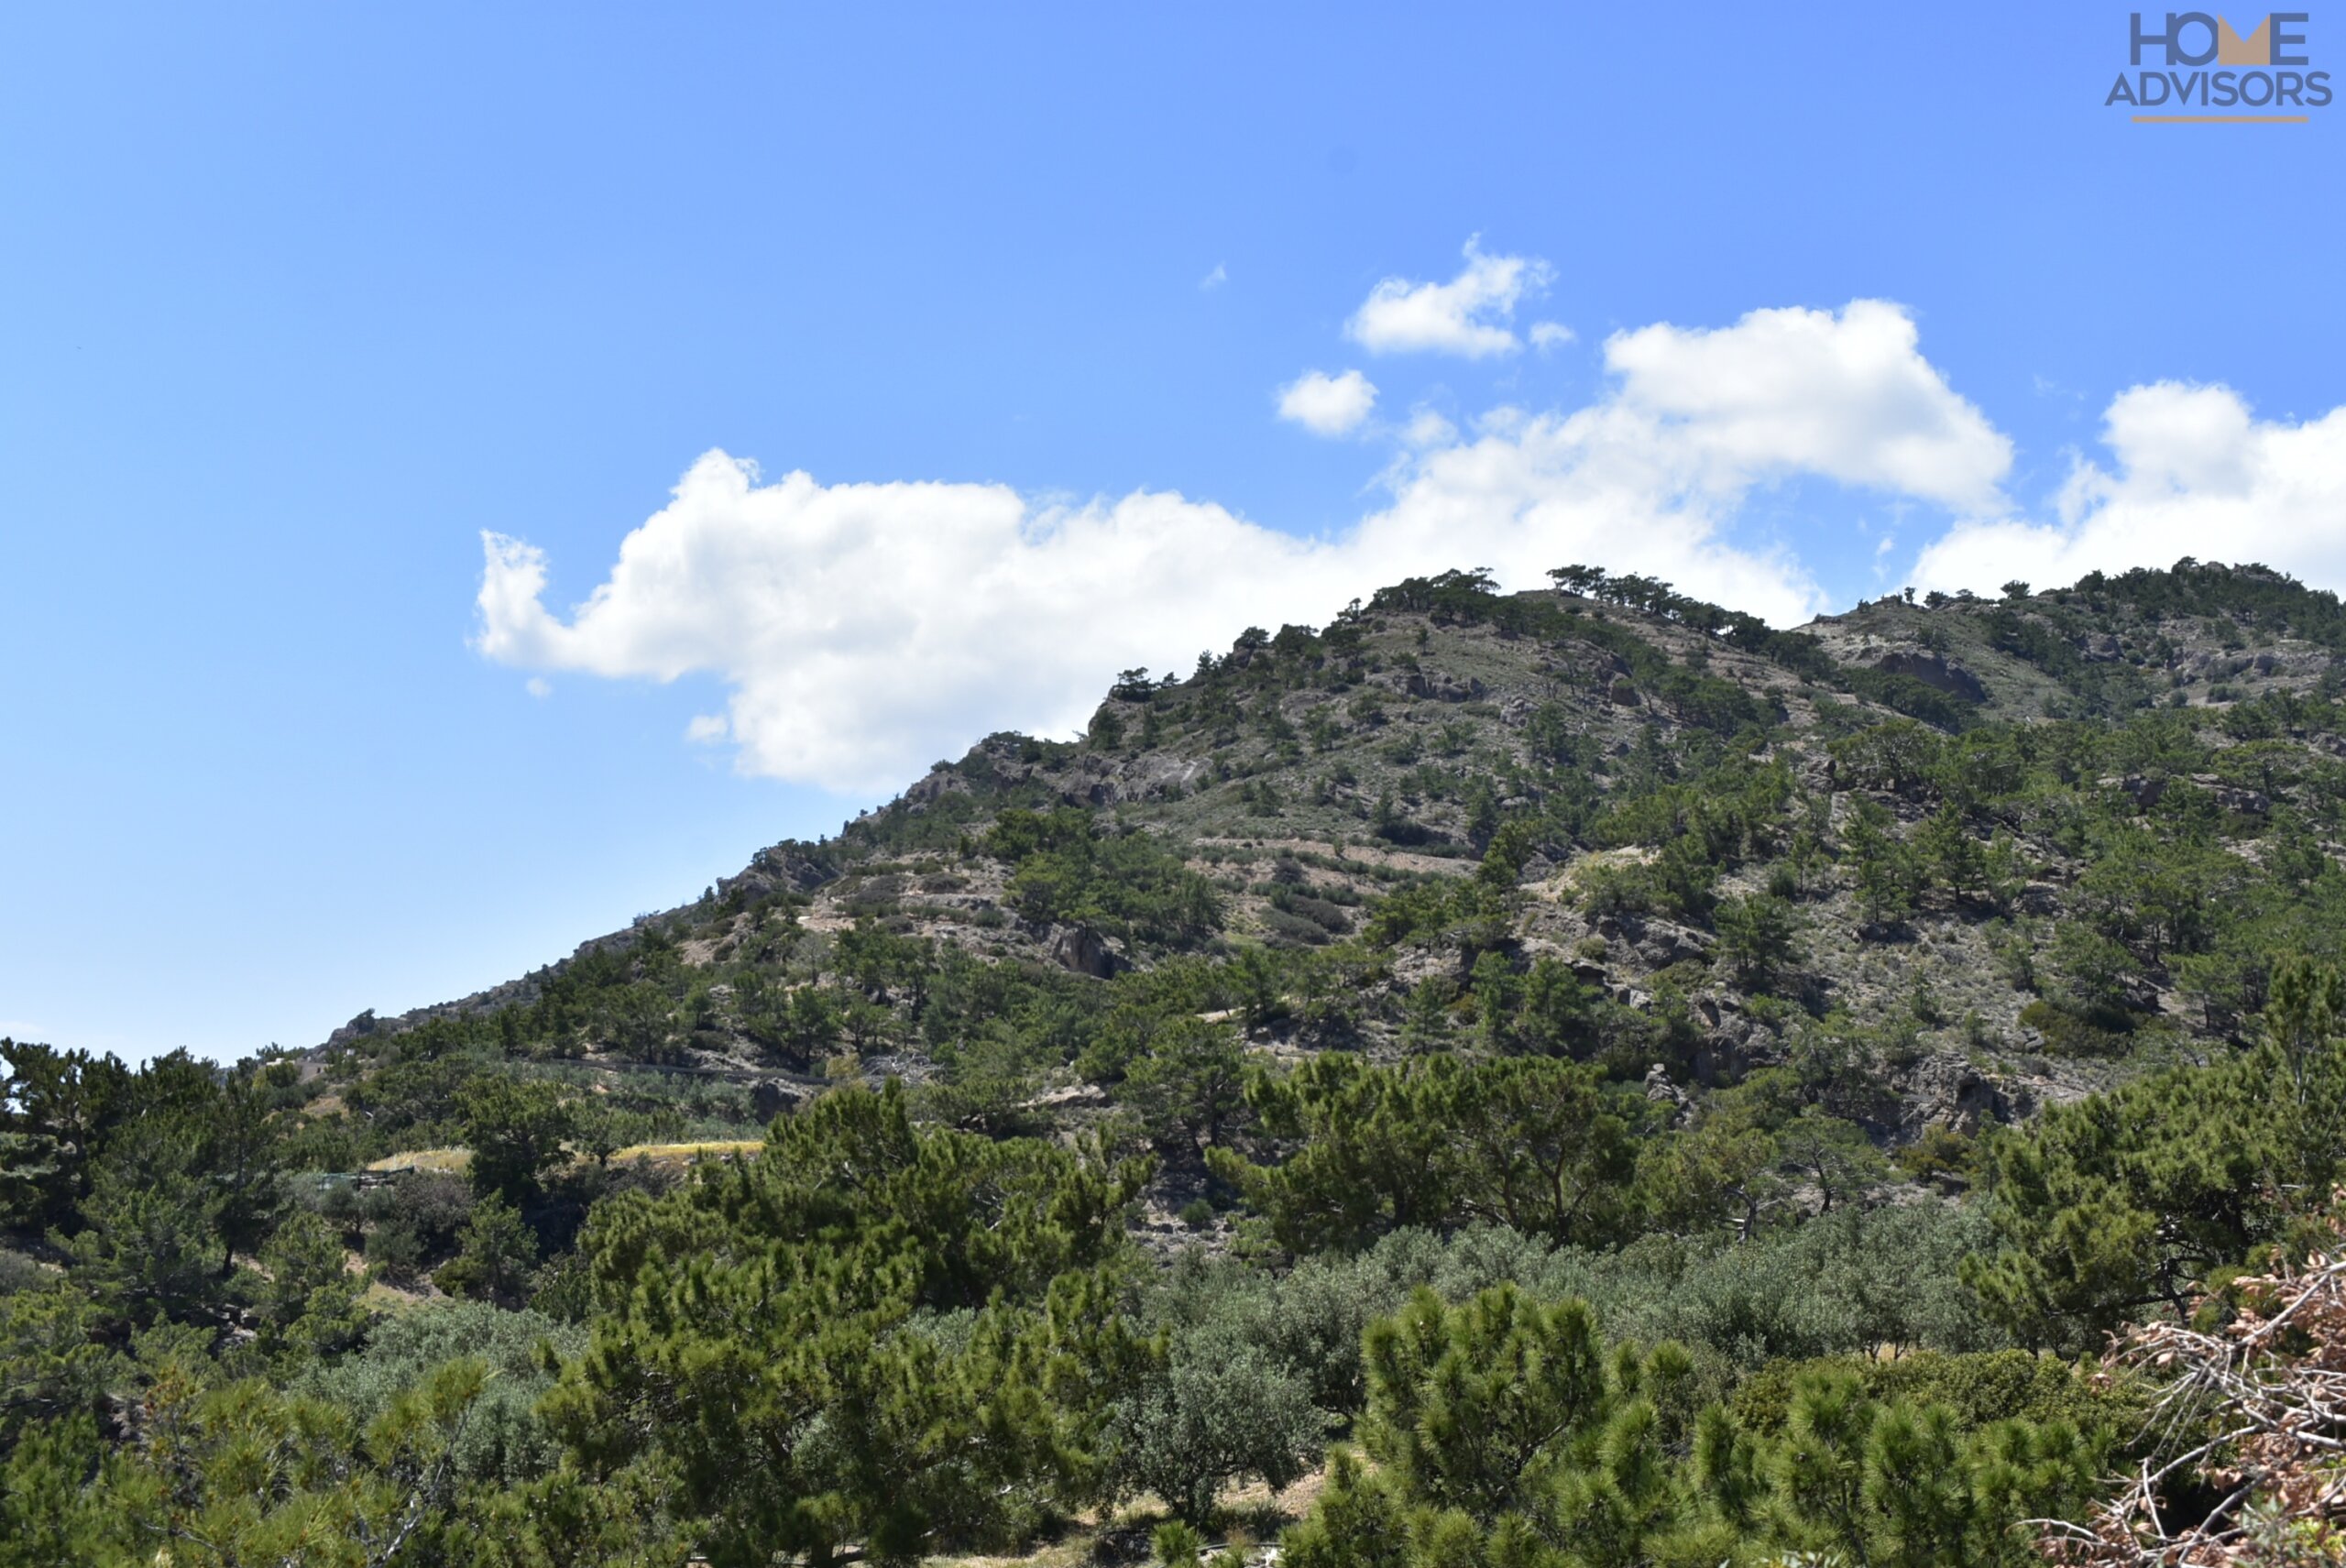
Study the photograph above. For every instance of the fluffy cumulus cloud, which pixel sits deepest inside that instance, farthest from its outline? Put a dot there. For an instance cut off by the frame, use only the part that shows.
(1467, 315)
(1328, 405)
(859, 630)
(2192, 472)
(1847, 396)
(862, 629)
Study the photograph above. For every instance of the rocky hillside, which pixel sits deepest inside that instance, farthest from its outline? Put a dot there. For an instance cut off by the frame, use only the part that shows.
(1386, 1015)
(1947, 859)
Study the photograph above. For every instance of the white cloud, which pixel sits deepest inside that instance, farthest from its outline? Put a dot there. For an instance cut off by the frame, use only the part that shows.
(1845, 396)
(861, 629)
(1462, 316)
(2195, 473)
(1215, 278)
(1328, 405)
(538, 686)
(1546, 335)
(1427, 428)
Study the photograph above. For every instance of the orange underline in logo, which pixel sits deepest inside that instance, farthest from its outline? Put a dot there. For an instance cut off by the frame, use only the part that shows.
(2220, 119)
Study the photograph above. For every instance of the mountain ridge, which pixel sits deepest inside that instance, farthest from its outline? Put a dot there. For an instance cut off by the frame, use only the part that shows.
(1307, 774)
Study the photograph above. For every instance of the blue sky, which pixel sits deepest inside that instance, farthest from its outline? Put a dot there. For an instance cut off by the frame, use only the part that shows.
(300, 302)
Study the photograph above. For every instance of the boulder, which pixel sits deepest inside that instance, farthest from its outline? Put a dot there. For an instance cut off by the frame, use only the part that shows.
(1085, 950)
(1733, 1049)
(1442, 688)
(1948, 1091)
(772, 1097)
(1662, 944)
(2244, 802)
(1073, 1097)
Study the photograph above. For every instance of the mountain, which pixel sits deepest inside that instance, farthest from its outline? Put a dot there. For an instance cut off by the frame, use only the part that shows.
(2001, 851)
(1563, 1077)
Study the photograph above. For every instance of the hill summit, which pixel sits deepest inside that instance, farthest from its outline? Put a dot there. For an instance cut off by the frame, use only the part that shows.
(1903, 825)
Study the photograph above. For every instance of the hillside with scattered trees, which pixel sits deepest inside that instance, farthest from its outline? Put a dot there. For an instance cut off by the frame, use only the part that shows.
(1567, 1078)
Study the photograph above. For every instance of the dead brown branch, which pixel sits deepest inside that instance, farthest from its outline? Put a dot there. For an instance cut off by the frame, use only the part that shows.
(2250, 1420)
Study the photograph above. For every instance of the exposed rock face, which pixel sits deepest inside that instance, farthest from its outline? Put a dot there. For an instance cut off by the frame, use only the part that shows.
(1089, 780)
(1071, 1097)
(1933, 670)
(785, 867)
(1732, 1047)
(1085, 950)
(1662, 1092)
(1442, 688)
(1658, 943)
(1331, 783)
(512, 992)
(1949, 1092)
(934, 785)
(2236, 798)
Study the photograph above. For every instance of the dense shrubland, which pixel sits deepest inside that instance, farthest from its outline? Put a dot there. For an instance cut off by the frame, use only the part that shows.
(1521, 1096)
